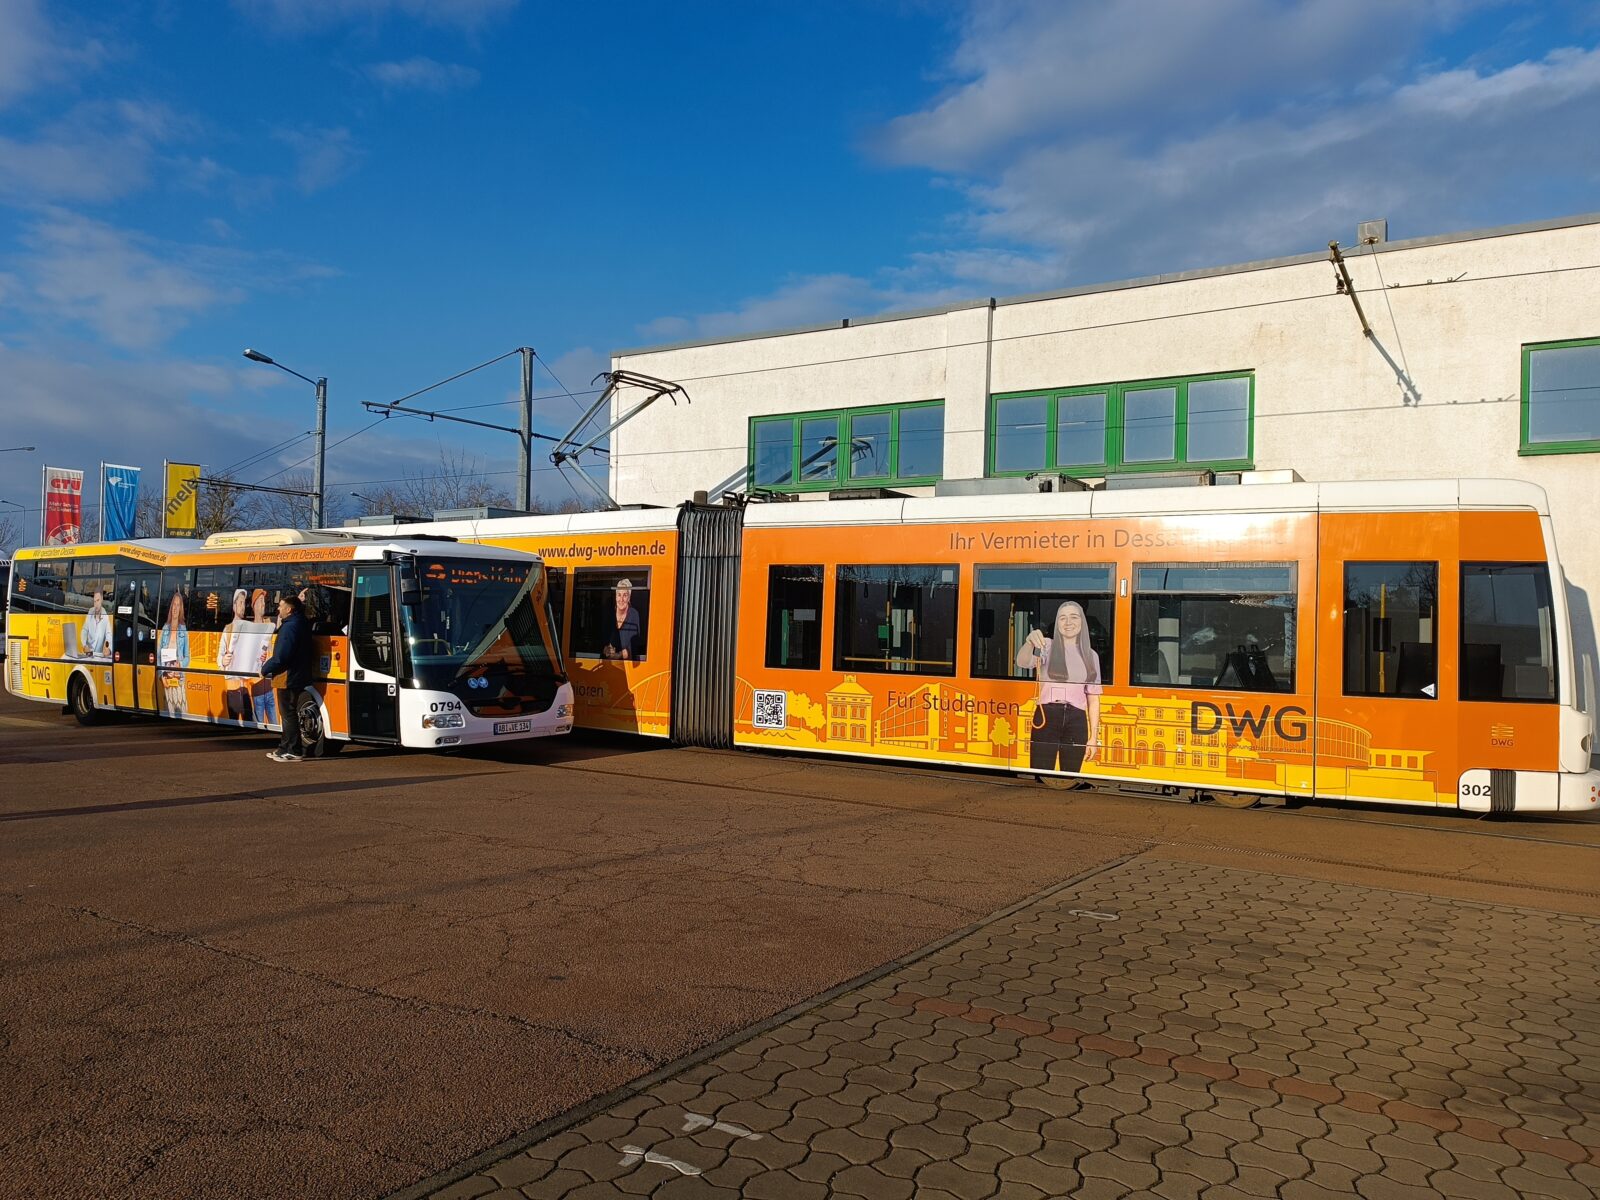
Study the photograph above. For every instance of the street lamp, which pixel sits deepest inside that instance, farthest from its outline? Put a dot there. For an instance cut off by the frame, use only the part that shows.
(8, 449)
(322, 425)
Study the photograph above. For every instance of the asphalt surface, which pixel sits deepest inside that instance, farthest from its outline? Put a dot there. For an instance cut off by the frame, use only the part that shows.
(229, 977)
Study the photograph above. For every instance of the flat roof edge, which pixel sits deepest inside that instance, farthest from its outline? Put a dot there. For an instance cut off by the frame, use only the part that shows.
(1264, 264)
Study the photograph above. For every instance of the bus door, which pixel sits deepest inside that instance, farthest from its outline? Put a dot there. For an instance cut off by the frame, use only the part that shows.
(133, 640)
(374, 657)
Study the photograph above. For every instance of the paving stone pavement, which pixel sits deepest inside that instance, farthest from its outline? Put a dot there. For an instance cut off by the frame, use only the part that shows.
(1162, 1028)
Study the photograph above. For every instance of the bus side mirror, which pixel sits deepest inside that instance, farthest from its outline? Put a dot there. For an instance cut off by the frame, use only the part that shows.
(410, 589)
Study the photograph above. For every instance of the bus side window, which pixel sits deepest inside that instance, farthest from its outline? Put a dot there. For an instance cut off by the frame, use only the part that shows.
(556, 583)
(372, 630)
(214, 589)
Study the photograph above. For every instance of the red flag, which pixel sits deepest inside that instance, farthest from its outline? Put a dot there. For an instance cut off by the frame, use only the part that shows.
(63, 506)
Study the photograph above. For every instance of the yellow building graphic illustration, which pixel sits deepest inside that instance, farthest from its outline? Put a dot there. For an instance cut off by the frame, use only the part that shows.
(1266, 743)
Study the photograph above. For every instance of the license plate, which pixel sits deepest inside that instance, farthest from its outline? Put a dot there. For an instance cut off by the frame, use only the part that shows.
(513, 727)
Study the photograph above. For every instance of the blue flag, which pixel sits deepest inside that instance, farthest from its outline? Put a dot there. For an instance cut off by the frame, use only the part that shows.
(119, 510)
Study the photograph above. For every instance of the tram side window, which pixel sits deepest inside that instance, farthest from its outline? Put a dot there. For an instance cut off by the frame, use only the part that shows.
(896, 619)
(1215, 625)
(1009, 603)
(794, 617)
(1391, 621)
(1507, 632)
(611, 614)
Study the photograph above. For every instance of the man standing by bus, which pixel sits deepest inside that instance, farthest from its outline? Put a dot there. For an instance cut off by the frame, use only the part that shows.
(291, 658)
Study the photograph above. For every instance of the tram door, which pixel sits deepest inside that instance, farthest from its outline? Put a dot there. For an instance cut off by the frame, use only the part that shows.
(374, 657)
(133, 640)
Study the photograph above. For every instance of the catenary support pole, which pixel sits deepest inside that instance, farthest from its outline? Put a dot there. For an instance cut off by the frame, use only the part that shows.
(525, 434)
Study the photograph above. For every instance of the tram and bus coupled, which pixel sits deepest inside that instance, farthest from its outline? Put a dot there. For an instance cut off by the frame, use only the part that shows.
(1399, 642)
(424, 642)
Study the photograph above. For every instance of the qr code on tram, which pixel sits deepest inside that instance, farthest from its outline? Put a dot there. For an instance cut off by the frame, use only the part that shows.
(772, 710)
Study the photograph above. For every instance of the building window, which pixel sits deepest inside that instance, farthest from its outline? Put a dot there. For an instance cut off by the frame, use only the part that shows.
(1507, 632)
(1009, 603)
(899, 619)
(1391, 618)
(897, 444)
(794, 617)
(1228, 626)
(1561, 397)
(1148, 425)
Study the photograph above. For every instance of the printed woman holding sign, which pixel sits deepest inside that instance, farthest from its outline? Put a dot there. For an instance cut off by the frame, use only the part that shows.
(1066, 723)
(172, 654)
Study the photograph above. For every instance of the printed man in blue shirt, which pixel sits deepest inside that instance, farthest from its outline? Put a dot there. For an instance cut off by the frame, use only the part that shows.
(625, 639)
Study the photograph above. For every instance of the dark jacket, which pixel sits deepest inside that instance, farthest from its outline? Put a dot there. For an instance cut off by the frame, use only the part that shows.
(292, 652)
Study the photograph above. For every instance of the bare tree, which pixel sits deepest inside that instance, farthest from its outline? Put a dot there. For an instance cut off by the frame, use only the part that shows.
(455, 483)
(10, 535)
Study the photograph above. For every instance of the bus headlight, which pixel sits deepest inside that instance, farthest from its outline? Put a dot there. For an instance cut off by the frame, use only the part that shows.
(563, 711)
(443, 721)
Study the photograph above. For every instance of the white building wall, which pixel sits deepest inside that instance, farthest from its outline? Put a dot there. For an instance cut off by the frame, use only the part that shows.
(1453, 312)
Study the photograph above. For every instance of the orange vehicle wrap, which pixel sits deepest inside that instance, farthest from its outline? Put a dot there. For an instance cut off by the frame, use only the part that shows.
(623, 695)
(1311, 739)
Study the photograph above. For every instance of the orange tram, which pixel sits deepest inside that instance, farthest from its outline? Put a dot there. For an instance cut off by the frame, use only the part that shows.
(1394, 642)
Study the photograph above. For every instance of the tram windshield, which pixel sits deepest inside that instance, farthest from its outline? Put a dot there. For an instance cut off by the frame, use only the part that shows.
(480, 628)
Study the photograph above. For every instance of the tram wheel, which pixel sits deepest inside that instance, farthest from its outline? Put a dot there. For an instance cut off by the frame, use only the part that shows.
(80, 699)
(314, 737)
(1235, 799)
(1065, 783)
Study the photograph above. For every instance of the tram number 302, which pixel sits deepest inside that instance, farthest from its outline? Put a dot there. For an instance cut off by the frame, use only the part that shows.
(1476, 789)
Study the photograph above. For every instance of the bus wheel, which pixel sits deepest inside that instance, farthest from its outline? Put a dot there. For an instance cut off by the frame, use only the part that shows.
(313, 737)
(80, 699)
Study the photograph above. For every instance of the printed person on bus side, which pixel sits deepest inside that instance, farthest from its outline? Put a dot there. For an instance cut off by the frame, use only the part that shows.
(172, 655)
(261, 698)
(625, 639)
(291, 657)
(1066, 723)
(95, 640)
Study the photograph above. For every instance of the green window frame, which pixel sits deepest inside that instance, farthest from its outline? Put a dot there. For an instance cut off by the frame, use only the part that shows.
(1591, 387)
(876, 427)
(1064, 408)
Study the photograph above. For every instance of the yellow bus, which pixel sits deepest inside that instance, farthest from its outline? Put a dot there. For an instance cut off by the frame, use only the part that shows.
(423, 642)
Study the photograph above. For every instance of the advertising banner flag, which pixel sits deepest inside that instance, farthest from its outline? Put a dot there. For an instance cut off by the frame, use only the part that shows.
(183, 500)
(63, 506)
(119, 501)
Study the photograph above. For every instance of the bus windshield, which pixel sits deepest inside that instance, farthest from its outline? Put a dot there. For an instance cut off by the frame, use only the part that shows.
(481, 632)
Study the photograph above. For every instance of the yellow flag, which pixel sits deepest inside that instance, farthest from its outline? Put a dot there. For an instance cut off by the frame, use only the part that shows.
(183, 492)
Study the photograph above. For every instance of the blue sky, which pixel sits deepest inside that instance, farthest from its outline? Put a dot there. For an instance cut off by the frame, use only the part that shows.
(389, 191)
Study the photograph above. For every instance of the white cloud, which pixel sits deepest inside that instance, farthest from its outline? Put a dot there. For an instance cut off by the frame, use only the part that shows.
(33, 51)
(1101, 140)
(294, 16)
(1034, 68)
(421, 74)
(323, 156)
(96, 152)
(133, 290)
(129, 290)
(81, 406)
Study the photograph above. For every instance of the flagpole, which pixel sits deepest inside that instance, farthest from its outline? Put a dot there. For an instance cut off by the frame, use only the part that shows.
(44, 512)
(102, 536)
